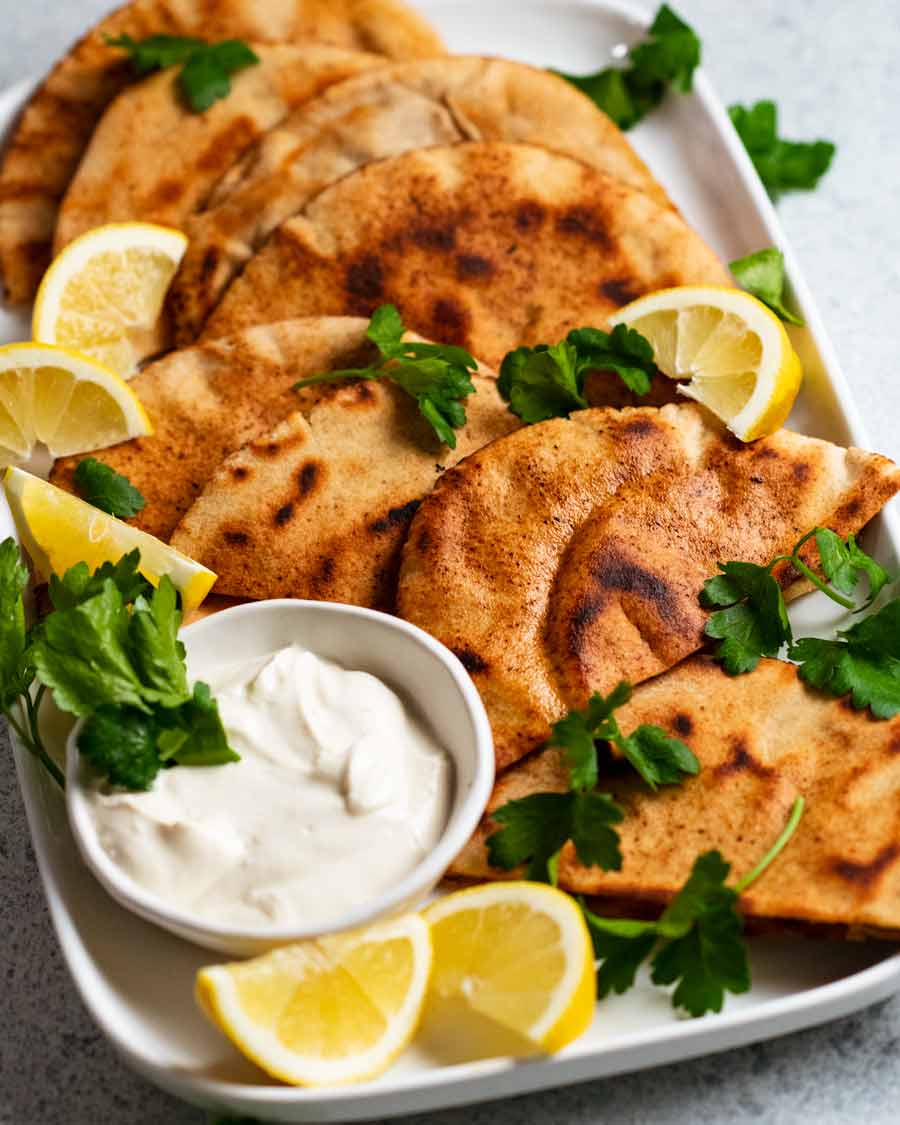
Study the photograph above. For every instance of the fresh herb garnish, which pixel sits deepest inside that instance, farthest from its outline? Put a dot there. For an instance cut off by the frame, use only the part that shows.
(206, 67)
(668, 57)
(17, 704)
(781, 165)
(547, 381)
(754, 622)
(864, 661)
(108, 651)
(437, 376)
(698, 940)
(762, 274)
(536, 827)
(659, 759)
(106, 489)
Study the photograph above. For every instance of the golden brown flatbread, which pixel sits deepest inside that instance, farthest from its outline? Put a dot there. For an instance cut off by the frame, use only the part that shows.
(488, 245)
(570, 555)
(762, 739)
(401, 107)
(319, 507)
(57, 123)
(152, 160)
(206, 402)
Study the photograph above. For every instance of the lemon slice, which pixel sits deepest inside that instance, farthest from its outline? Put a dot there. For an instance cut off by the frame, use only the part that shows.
(69, 402)
(58, 530)
(335, 1010)
(733, 349)
(519, 954)
(104, 292)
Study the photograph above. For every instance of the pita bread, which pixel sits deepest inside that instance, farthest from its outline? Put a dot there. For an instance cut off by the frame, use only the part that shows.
(320, 506)
(762, 740)
(570, 555)
(57, 123)
(122, 177)
(484, 245)
(208, 401)
(377, 115)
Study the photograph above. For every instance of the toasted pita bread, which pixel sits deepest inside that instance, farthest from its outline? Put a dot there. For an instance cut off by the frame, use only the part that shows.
(122, 177)
(208, 401)
(55, 127)
(570, 555)
(762, 740)
(487, 245)
(399, 108)
(319, 507)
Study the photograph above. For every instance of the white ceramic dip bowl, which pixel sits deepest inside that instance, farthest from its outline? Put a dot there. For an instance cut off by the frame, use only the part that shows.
(426, 675)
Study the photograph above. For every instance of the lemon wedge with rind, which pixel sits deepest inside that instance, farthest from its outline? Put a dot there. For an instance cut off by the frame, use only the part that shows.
(103, 294)
(67, 401)
(519, 954)
(329, 1011)
(59, 530)
(734, 351)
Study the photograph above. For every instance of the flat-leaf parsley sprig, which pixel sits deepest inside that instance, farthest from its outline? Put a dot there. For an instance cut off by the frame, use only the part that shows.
(762, 274)
(107, 490)
(110, 653)
(697, 943)
(667, 57)
(753, 621)
(781, 165)
(534, 829)
(206, 68)
(548, 381)
(437, 376)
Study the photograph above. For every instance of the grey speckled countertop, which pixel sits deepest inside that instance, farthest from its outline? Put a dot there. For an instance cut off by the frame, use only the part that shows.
(832, 67)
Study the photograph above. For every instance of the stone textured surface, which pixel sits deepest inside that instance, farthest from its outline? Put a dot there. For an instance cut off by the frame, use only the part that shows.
(832, 69)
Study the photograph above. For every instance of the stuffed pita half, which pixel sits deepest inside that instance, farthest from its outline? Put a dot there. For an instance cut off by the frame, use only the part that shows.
(571, 554)
(401, 107)
(762, 740)
(56, 125)
(486, 245)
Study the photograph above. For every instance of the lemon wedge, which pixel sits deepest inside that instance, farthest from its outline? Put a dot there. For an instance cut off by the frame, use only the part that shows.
(104, 292)
(733, 349)
(69, 402)
(325, 1012)
(58, 530)
(518, 954)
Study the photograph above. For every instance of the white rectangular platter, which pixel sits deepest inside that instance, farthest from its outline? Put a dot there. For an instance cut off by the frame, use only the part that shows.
(137, 981)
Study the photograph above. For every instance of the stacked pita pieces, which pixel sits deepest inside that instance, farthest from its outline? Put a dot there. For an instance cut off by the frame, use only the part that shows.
(496, 206)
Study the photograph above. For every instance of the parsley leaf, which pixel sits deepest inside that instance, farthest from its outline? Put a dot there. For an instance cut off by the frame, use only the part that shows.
(755, 624)
(78, 584)
(659, 759)
(704, 949)
(781, 165)
(437, 376)
(548, 381)
(130, 747)
(702, 946)
(120, 742)
(157, 52)
(864, 662)
(82, 654)
(206, 67)
(762, 274)
(535, 828)
(156, 652)
(15, 676)
(206, 76)
(668, 57)
(843, 563)
(106, 489)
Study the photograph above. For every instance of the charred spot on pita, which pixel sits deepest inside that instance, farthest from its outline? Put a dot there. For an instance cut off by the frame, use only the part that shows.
(307, 477)
(742, 761)
(471, 266)
(396, 517)
(584, 223)
(284, 513)
(236, 538)
(365, 280)
(867, 874)
(619, 290)
(529, 215)
(471, 661)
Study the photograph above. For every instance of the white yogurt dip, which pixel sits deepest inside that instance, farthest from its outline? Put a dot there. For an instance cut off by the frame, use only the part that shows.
(340, 792)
